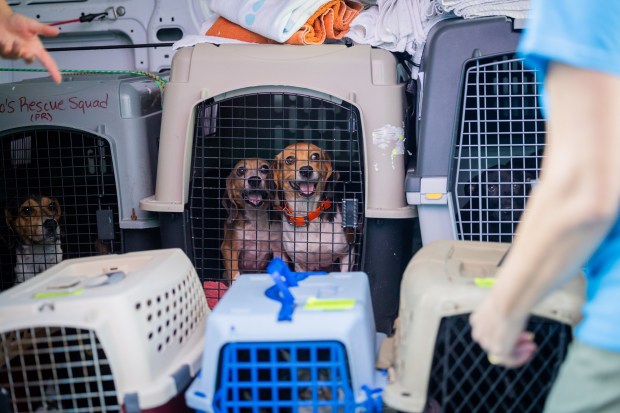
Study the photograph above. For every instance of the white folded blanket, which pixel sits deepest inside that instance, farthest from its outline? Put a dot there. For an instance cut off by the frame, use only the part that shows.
(397, 25)
(275, 19)
(479, 8)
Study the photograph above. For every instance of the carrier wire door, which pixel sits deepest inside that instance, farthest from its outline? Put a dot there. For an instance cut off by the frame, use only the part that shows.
(76, 168)
(499, 149)
(260, 125)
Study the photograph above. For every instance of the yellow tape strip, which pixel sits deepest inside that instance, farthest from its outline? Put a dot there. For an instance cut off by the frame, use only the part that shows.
(339, 304)
(56, 294)
(486, 282)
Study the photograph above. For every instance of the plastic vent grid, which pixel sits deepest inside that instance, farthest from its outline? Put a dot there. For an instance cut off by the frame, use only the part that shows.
(56, 369)
(173, 314)
(462, 380)
(75, 168)
(499, 148)
(261, 125)
(285, 377)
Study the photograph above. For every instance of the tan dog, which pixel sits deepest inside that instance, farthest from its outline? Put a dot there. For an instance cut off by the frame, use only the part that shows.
(312, 234)
(34, 224)
(251, 238)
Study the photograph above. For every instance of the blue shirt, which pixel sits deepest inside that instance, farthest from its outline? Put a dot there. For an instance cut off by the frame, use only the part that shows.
(584, 34)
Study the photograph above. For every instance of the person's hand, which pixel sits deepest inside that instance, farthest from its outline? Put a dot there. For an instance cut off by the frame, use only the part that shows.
(19, 39)
(502, 337)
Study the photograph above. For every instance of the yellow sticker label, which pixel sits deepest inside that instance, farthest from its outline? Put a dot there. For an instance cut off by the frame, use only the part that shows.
(486, 282)
(56, 294)
(338, 304)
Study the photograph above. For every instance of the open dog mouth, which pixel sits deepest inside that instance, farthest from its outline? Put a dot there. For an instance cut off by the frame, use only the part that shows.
(305, 188)
(255, 198)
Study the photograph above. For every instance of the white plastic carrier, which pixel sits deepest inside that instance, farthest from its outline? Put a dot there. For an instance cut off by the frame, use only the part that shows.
(309, 346)
(106, 334)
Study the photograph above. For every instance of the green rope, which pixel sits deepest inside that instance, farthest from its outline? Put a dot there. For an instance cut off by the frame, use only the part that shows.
(161, 83)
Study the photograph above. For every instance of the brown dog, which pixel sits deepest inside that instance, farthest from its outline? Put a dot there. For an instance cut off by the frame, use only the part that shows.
(251, 238)
(312, 234)
(36, 232)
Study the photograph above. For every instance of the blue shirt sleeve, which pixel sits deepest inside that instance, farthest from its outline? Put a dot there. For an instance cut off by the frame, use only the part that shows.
(579, 33)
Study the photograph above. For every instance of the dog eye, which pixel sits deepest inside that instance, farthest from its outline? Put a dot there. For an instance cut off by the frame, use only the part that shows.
(28, 211)
(52, 207)
(290, 160)
(315, 157)
(516, 187)
(241, 171)
(264, 168)
(491, 188)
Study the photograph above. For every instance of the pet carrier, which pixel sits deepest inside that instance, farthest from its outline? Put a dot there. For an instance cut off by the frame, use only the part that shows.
(87, 148)
(437, 362)
(480, 133)
(292, 342)
(122, 36)
(120, 333)
(227, 105)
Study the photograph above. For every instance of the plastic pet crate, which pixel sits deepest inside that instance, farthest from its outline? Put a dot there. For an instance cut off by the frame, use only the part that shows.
(120, 333)
(227, 103)
(437, 362)
(301, 343)
(481, 133)
(89, 143)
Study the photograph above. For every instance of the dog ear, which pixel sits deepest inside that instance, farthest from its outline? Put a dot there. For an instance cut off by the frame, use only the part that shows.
(230, 201)
(327, 165)
(58, 212)
(278, 176)
(7, 234)
(270, 183)
(331, 183)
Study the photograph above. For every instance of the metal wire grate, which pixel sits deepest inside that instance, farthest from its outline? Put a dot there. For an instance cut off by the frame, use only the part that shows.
(499, 148)
(262, 125)
(56, 369)
(462, 380)
(284, 376)
(77, 170)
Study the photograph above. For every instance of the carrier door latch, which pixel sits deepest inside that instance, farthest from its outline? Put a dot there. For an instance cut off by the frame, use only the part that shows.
(350, 211)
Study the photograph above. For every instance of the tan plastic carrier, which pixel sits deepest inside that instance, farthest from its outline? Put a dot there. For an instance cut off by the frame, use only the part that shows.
(228, 103)
(436, 363)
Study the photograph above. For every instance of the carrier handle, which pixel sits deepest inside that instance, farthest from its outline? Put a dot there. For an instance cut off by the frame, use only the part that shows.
(284, 278)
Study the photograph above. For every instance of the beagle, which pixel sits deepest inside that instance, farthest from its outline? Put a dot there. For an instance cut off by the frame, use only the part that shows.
(312, 234)
(251, 237)
(36, 235)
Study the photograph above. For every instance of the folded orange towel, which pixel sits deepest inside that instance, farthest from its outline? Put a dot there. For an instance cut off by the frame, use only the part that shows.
(330, 21)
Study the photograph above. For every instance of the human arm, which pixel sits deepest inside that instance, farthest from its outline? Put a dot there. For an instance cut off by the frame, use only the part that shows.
(569, 212)
(19, 39)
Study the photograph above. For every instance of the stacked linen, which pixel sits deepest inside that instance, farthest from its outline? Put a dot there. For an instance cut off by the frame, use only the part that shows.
(398, 25)
(276, 21)
(468, 9)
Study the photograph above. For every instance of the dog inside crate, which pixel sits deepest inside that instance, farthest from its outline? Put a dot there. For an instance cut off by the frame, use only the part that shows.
(500, 148)
(275, 174)
(59, 200)
(492, 194)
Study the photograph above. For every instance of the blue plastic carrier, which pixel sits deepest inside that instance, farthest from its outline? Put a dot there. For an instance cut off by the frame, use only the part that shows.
(290, 342)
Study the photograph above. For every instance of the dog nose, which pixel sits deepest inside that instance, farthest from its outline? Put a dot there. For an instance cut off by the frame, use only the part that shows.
(306, 171)
(254, 182)
(50, 225)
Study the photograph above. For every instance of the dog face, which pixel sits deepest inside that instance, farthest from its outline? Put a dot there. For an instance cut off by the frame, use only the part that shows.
(302, 170)
(249, 185)
(502, 192)
(35, 220)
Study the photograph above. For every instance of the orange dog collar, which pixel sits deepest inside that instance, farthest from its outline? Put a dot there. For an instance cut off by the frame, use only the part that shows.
(305, 220)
